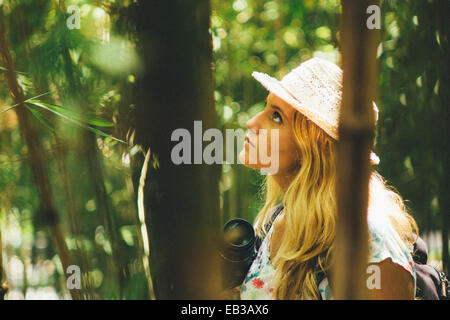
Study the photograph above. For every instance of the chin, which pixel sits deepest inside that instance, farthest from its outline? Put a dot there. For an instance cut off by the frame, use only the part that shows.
(243, 155)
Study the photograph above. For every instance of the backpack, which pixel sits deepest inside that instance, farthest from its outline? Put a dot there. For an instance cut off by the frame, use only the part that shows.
(431, 284)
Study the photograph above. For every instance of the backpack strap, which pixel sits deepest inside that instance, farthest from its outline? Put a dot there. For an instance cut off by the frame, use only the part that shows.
(444, 286)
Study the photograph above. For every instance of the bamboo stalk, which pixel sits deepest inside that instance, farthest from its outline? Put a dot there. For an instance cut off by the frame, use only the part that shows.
(97, 178)
(182, 201)
(60, 150)
(356, 134)
(36, 157)
(143, 225)
(82, 256)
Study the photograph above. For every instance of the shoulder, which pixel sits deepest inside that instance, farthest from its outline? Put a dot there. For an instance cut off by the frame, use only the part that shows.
(386, 243)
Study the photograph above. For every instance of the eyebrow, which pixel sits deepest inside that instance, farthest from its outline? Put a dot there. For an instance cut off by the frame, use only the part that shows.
(279, 109)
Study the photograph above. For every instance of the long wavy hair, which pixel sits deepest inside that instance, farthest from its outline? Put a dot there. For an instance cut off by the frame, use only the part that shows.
(310, 213)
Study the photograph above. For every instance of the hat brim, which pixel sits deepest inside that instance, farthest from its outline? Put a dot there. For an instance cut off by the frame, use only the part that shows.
(276, 87)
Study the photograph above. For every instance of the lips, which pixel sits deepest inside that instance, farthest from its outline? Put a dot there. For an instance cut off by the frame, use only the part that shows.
(247, 139)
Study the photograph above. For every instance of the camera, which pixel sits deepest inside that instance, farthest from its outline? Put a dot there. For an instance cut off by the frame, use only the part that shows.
(237, 252)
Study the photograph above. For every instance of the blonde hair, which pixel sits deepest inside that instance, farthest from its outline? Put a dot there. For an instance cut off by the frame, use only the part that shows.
(310, 213)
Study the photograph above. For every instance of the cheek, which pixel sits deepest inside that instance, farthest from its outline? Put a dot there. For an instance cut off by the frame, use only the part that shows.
(288, 151)
(286, 154)
(285, 141)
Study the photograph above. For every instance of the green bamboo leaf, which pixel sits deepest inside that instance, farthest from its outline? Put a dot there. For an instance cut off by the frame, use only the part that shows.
(77, 122)
(69, 113)
(41, 118)
(18, 104)
(9, 108)
(4, 69)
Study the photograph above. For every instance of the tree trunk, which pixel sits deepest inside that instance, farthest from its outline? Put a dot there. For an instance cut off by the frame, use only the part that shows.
(181, 201)
(356, 134)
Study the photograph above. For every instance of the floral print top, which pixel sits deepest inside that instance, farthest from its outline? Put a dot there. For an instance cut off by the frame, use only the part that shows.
(384, 243)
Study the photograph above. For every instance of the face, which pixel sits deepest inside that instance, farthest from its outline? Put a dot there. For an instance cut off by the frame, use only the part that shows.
(261, 139)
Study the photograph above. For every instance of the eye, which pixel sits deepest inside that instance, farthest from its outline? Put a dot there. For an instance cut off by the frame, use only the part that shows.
(276, 116)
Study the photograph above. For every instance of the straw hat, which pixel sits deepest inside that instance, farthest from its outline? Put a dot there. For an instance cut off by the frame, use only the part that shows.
(314, 88)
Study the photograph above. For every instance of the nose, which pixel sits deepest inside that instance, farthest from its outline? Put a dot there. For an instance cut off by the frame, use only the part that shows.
(254, 123)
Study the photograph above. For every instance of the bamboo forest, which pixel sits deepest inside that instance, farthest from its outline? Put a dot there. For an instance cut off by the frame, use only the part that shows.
(95, 96)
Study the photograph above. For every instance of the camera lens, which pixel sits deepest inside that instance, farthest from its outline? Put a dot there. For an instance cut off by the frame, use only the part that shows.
(238, 232)
(238, 251)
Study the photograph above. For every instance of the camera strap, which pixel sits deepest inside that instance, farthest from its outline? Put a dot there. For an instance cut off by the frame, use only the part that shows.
(321, 275)
(278, 209)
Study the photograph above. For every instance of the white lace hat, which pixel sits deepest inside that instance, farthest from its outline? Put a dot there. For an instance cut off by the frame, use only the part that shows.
(314, 88)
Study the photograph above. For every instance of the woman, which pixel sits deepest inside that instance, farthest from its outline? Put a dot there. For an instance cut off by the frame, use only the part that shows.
(304, 107)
